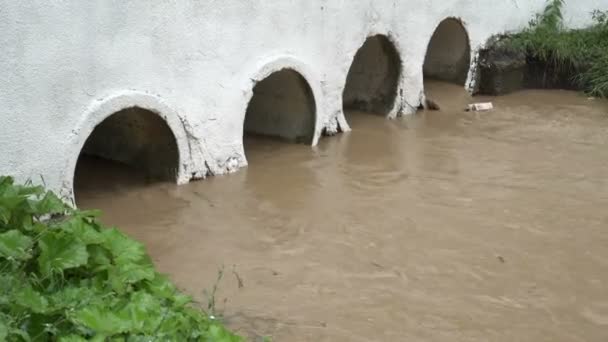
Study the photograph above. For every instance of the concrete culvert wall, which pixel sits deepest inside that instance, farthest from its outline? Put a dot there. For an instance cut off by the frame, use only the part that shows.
(282, 106)
(138, 138)
(371, 84)
(448, 54)
(67, 65)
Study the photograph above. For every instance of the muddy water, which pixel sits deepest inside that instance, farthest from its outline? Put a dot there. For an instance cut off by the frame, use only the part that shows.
(444, 226)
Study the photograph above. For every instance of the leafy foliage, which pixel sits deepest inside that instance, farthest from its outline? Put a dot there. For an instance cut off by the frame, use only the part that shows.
(581, 54)
(552, 15)
(64, 277)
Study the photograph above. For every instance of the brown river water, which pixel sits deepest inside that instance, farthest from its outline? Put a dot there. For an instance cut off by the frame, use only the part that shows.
(442, 226)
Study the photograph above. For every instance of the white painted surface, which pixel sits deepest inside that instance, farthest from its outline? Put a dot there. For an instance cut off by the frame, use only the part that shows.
(66, 65)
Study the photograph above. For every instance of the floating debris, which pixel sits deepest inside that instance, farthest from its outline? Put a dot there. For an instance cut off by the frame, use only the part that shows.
(480, 107)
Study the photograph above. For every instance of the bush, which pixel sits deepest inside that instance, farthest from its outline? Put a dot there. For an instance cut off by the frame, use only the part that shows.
(64, 277)
(581, 55)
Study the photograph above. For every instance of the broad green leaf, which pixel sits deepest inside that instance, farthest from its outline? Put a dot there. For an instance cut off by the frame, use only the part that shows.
(18, 332)
(5, 216)
(8, 284)
(90, 214)
(60, 252)
(13, 244)
(99, 256)
(5, 299)
(28, 190)
(5, 182)
(219, 334)
(144, 313)
(49, 204)
(10, 207)
(123, 275)
(181, 300)
(102, 320)
(99, 338)
(3, 331)
(8, 329)
(72, 297)
(72, 338)
(26, 224)
(131, 339)
(115, 294)
(37, 325)
(28, 298)
(83, 230)
(11, 202)
(38, 228)
(123, 248)
(161, 287)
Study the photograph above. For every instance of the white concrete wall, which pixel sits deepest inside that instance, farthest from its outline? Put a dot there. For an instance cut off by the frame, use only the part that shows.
(67, 65)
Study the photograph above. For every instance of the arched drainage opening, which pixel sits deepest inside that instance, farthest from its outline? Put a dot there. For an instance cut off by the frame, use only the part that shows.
(373, 78)
(131, 147)
(282, 108)
(448, 55)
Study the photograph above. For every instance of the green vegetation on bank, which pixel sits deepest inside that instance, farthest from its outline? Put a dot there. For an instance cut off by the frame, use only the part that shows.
(580, 55)
(64, 277)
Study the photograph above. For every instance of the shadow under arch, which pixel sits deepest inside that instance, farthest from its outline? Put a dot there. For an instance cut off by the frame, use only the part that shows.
(282, 100)
(448, 54)
(372, 82)
(135, 129)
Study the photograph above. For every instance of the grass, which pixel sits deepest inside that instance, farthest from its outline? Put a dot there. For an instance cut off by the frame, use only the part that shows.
(580, 54)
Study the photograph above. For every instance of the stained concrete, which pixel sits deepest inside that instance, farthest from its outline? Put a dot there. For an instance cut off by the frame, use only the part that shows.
(501, 69)
(68, 65)
(282, 106)
(373, 78)
(449, 53)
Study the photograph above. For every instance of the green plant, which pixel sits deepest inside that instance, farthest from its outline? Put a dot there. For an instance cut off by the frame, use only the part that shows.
(64, 277)
(212, 309)
(580, 54)
(600, 17)
(552, 15)
(597, 77)
(211, 295)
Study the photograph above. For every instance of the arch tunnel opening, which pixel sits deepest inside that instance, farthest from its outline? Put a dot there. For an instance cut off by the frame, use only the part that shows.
(448, 55)
(373, 78)
(282, 108)
(132, 147)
